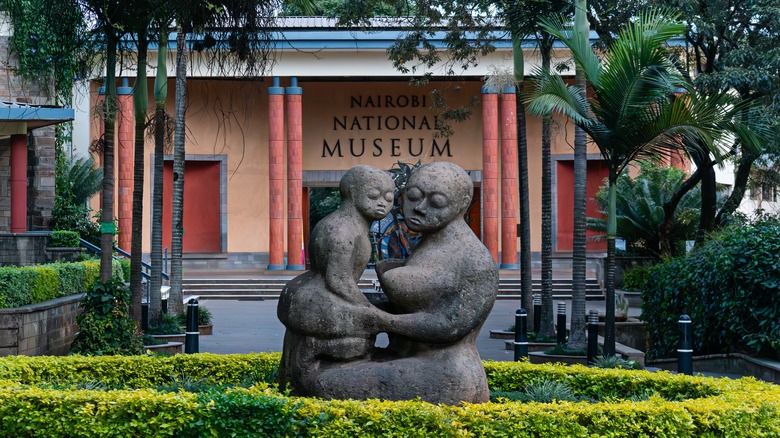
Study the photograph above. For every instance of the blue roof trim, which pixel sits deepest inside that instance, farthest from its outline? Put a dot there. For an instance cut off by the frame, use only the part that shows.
(337, 38)
(25, 114)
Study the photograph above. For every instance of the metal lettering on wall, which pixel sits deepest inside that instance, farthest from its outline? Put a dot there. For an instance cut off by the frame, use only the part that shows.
(403, 130)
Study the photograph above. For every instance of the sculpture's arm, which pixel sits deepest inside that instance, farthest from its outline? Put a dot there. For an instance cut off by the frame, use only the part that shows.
(385, 265)
(338, 275)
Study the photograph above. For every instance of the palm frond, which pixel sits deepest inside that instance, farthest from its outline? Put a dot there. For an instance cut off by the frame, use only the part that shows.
(580, 48)
(551, 94)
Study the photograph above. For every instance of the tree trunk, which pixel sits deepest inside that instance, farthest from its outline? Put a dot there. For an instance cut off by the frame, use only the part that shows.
(140, 104)
(609, 322)
(526, 270)
(107, 226)
(741, 177)
(175, 304)
(709, 198)
(577, 336)
(670, 206)
(547, 328)
(160, 94)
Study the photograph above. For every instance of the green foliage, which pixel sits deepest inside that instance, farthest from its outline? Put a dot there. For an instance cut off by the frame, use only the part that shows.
(75, 182)
(106, 327)
(64, 239)
(563, 350)
(729, 287)
(174, 396)
(168, 325)
(640, 210)
(616, 362)
(322, 202)
(125, 264)
(45, 285)
(204, 316)
(634, 279)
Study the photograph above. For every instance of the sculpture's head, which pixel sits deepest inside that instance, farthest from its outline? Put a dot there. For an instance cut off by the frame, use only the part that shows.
(436, 194)
(369, 189)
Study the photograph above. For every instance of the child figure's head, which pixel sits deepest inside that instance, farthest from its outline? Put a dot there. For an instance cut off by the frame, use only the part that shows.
(369, 189)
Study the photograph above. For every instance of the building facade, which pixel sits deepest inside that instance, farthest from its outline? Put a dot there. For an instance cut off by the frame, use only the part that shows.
(332, 100)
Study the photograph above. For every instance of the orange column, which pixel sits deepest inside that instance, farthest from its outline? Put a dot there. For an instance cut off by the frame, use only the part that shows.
(490, 170)
(125, 149)
(276, 178)
(18, 183)
(508, 179)
(295, 260)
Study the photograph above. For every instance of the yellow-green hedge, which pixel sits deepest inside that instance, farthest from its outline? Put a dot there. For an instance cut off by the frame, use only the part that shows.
(32, 403)
(23, 285)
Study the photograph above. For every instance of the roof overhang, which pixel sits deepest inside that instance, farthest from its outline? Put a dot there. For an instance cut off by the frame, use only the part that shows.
(23, 119)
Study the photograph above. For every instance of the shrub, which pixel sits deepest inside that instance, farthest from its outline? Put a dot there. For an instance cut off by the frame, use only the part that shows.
(169, 325)
(634, 279)
(729, 287)
(106, 327)
(125, 265)
(64, 239)
(204, 316)
(23, 285)
(149, 396)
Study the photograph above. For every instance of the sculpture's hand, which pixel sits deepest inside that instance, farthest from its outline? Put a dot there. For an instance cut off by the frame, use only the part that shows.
(383, 266)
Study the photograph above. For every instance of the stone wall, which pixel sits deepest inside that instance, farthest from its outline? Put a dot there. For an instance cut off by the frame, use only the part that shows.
(22, 249)
(46, 328)
(40, 177)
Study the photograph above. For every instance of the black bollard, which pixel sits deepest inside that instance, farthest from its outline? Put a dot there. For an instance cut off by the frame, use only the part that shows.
(144, 316)
(164, 306)
(521, 334)
(593, 336)
(537, 313)
(191, 331)
(561, 327)
(685, 352)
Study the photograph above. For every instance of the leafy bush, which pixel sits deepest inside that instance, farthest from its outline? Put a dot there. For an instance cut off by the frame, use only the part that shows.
(125, 264)
(634, 279)
(169, 325)
(204, 316)
(132, 396)
(106, 327)
(23, 285)
(616, 362)
(64, 239)
(729, 287)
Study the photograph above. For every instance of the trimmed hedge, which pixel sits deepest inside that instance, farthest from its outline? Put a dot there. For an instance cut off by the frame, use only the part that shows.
(34, 400)
(730, 287)
(23, 285)
(64, 239)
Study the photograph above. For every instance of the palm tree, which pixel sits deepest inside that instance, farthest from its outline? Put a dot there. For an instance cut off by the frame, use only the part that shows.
(577, 339)
(634, 112)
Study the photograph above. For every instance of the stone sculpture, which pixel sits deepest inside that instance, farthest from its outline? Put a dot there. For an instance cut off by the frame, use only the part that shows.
(439, 298)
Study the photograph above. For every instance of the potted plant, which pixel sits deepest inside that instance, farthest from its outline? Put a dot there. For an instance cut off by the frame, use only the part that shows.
(168, 329)
(205, 326)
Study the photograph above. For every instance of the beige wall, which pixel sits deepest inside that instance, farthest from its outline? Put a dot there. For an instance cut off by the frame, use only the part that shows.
(230, 118)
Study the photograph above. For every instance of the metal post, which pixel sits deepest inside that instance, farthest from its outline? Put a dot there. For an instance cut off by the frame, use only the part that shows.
(593, 336)
(561, 327)
(685, 352)
(537, 313)
(144, 316)
(191, 331)
(521, 334)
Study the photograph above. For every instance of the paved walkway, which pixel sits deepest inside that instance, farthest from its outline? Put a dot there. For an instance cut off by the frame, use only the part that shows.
(244, 326)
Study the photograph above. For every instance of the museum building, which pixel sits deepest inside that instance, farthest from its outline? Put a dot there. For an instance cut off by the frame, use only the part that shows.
(330, 100)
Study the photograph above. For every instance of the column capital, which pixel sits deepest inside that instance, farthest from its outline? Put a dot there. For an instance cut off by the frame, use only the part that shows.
(275, 88)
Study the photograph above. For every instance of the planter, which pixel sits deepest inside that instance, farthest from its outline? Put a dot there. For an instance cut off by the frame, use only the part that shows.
(732, 365)
(539, 357)
(203, 330)
(46, 328)
(502, 334)
(532, 346)
(631, 333)
(169, 348)
(634, 298)
(171, 338)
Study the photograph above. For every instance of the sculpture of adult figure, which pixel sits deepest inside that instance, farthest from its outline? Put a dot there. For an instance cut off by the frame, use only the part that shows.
(441, 296)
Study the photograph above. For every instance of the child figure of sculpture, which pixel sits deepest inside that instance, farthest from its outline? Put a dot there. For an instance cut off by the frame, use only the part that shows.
(339, 251)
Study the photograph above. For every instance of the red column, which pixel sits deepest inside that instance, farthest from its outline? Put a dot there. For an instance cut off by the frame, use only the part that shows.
(508, 179)
(295, 260)
(276, 178)
(124, 164)
(18, 183)
(490, 170)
